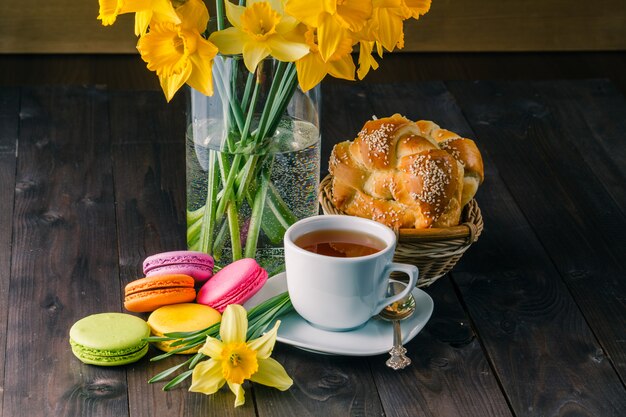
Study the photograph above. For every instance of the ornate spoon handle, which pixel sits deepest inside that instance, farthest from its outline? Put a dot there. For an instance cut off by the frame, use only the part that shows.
(398, 359)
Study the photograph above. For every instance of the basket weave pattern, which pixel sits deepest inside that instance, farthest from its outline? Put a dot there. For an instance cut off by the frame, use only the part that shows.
(433, 251)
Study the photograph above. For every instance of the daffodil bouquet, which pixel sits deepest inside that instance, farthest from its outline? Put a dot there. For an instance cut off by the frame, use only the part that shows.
(302, 41)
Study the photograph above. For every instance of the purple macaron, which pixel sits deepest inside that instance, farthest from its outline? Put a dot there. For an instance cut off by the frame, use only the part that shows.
(199, 265)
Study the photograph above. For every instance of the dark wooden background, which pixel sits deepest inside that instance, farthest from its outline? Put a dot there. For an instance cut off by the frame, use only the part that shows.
(128, 72)
(531, 322)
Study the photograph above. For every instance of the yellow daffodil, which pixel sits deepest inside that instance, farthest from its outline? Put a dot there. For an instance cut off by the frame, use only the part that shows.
(144, 11)
(366, 60)
(312, 68)
(232, 360)
(388, 17)
(178, 53)
(418, 7)
(335, 20)
(259, 29)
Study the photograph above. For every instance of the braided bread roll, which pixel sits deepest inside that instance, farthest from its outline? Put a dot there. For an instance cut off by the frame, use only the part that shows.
(405, 174)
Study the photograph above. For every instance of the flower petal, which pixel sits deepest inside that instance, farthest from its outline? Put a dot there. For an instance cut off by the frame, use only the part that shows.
(207, 377)
(229, 41)
(366, 60)
(172, 83)
(272, 374)
(193, 15)
(342, 68)
(212, 347)
(233, 13)
(390, 31)
(355, 13)
(306, 11)
(253, 53)
(201, 77)
(329, 35)
(276, 5)
(234, 324)
(311, 71)
(142, 20)
(418, 7)
(287, 51)
(164, 11)
(237, 389)
(286, 25)
(265, 344)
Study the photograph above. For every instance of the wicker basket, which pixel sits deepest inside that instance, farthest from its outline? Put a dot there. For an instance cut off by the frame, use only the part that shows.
(434, 251)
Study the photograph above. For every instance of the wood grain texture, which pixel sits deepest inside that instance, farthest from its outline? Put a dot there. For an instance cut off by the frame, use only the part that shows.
(497, 25)
(62, 26)
(446, 355)
(578, 169)
(149, 172)
(64, 264)
(323, 385)
(449, 374)
(516, 297)
(9, 122)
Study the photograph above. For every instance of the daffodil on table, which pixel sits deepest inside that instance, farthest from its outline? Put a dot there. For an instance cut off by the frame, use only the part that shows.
(235, 350)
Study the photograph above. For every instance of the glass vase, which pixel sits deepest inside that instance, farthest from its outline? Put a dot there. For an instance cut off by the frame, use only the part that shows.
(253, 161)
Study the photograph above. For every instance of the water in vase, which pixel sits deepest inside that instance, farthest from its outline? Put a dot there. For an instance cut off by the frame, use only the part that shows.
(292, 160)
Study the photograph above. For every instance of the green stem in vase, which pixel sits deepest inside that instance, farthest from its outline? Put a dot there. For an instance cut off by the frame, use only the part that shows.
(209, 215)
(261, 131)
(225, 91)
(219, 12)
(246, 92)
(227, 189)
(220, 240)
(233, 228)
(256, 218)
(287, 89)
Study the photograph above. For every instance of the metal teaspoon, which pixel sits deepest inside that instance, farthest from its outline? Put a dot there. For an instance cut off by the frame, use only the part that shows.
(395, 312)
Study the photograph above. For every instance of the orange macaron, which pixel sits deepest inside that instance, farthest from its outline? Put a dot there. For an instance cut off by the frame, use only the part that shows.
(148, 294)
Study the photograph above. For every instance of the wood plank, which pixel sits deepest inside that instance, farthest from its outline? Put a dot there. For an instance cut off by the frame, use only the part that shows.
(532, 328)
(489, 25)
(9, 122)
(495, 25)
(450, 375)
(324, 385)
(583, 231)
(595, 128)
(63, 264)
(149, 171)
(446, 355)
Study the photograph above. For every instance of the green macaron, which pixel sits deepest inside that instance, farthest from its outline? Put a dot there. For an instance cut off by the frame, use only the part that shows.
(109, 339)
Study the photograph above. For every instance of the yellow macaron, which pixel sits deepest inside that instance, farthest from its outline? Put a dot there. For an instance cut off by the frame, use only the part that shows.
(186, 317)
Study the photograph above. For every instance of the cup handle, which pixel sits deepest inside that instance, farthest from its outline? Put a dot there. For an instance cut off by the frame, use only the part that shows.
(411, 271)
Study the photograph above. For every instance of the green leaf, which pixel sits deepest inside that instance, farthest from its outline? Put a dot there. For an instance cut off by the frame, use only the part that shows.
(162, 375)
(180, 378)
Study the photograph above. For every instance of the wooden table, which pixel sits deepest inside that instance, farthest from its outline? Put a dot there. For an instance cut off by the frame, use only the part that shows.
(531, 322)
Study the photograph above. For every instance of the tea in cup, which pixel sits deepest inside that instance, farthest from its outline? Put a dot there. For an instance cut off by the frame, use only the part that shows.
(338, 270)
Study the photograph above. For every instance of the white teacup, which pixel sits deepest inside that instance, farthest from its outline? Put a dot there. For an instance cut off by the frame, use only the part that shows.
(338, 293)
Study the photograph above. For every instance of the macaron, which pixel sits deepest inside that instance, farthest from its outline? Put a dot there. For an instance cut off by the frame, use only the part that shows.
(233, 284)
(109, 339)
(148, 294)
(185, 317)
(198, 265)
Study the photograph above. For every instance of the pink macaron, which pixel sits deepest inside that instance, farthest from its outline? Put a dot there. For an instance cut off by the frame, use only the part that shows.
(234, 284)
(198, 265)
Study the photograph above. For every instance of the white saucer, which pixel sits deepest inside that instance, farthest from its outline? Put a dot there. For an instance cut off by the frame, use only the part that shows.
(374, 338)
